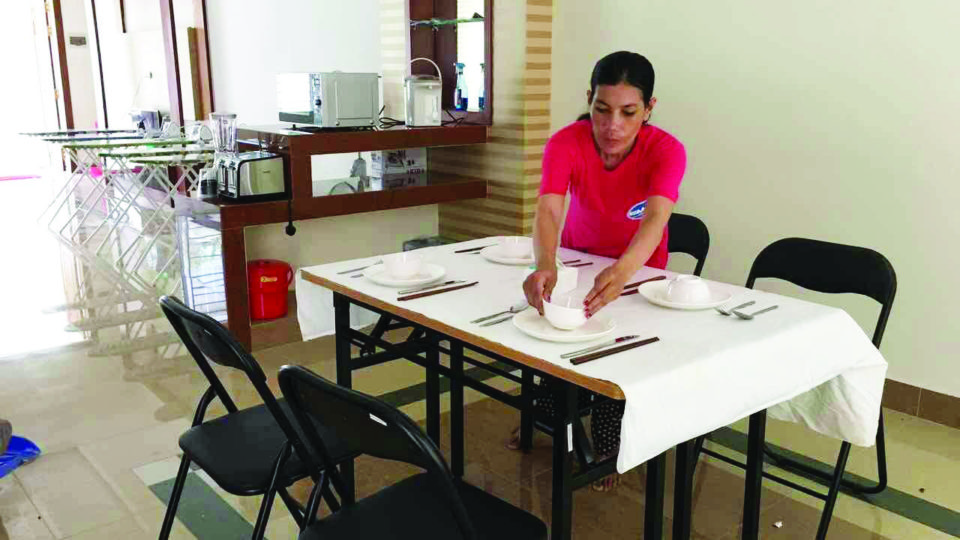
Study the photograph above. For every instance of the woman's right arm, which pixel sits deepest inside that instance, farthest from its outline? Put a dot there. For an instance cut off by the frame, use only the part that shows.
(546, 233)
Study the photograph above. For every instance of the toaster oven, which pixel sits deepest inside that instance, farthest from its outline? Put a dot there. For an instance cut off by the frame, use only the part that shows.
(329, 100)
(251, 176)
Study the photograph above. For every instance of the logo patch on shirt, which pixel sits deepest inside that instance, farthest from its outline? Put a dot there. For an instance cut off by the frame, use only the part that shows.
(637, 211)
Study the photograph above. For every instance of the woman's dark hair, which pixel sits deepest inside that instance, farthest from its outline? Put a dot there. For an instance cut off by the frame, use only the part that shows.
(623, 67)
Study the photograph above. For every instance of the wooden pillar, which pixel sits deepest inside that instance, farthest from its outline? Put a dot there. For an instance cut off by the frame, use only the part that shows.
(168, 24)
(204, 80)
(235, 281)
(59, 58)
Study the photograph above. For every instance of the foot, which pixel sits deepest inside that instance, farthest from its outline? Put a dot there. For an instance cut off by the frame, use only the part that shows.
(514, 442)
(606, 484)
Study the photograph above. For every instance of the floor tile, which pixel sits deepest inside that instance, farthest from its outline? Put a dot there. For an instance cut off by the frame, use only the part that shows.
(127, 528)
(60, 418)
(117, 458)
(19, 518)
(69, 493)
(150, 521)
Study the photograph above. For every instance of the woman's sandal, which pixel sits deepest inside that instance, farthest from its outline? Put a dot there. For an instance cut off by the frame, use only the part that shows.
(514, 442)
(607, 483)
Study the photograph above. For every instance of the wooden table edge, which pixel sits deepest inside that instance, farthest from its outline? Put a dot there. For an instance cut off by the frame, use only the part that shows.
(600, 386)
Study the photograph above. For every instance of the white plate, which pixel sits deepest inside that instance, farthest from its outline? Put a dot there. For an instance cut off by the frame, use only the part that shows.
(531, 323)
(428, 274)
(493, 254)
(656, 293)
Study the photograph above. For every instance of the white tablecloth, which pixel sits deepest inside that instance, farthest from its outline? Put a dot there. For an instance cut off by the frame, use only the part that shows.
(804, 362)
(315, 311)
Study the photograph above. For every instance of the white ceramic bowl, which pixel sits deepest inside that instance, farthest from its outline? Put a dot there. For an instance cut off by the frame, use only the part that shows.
(403, 265)
(565, 311)
(516, 247)
(687, 290)
(567, 278)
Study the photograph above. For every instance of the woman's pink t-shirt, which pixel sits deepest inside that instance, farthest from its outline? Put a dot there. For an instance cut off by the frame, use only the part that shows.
(607, 207)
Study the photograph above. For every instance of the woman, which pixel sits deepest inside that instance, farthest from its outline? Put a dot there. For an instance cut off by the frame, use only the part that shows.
(623, 176)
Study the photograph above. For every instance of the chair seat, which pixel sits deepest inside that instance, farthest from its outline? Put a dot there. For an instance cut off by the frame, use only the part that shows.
(239, 450)
(412, 509)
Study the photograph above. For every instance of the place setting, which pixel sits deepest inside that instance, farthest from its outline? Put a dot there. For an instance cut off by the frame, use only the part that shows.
(409, 272)
(514, 251)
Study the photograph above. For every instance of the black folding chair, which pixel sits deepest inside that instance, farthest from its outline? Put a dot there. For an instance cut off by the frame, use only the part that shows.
(254, 451)
(687, 234)
(828, 268)
(432, 504)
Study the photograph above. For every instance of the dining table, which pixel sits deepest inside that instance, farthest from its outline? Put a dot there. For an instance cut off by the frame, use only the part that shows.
(804, 362)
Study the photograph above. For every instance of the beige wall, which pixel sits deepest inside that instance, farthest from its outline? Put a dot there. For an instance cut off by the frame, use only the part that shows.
(320, 241)
(832, 120)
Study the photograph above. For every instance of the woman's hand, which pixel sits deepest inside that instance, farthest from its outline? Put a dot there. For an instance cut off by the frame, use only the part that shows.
(607, 287)
(538, 286)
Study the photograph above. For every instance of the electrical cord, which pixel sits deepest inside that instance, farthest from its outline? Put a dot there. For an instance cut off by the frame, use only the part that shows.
(386, 122)
(290, 229)
(454, 121)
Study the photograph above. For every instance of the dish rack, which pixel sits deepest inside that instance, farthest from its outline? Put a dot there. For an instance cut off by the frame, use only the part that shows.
(112, 209)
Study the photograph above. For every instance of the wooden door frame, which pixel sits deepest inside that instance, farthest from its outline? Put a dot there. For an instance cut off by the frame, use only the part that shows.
(61, 77)
(205, 80)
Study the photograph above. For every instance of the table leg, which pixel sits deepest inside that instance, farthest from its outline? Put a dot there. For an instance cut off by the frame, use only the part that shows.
(754, 479)
(341, 313)
(456, 407)
(566, 411)
(526, 410)
(433, 389)
(683, 491)
(653, 507)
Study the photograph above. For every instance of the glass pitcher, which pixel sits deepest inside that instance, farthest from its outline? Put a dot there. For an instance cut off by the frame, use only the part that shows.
(224, 126)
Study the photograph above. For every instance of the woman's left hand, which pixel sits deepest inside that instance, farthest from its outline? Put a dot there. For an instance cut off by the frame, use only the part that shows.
(607, 287)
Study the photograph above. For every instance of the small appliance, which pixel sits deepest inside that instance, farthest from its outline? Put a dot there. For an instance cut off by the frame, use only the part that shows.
(250, 176)
(422, 95)
(329, 100)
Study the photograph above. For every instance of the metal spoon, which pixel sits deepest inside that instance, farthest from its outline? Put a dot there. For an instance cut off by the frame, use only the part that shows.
(513, 309)
(750, 316)
(730, 312)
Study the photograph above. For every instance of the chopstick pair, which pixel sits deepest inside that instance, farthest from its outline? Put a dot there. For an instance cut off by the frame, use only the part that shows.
(439, 291)
(633, 288)
(471, 250)
(608, 352)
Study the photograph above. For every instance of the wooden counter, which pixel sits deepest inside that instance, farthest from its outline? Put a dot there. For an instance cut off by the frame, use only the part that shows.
(233, 217)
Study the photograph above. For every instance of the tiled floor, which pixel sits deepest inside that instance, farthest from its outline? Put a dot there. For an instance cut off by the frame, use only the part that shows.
(109, 432)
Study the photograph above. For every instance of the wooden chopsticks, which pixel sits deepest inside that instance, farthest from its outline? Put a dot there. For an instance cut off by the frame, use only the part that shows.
(607, 352)
(431, 293)
(468, 250)
(641, 282)
(631, 288)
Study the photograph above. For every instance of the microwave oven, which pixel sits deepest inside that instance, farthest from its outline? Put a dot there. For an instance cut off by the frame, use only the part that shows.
(329, 100)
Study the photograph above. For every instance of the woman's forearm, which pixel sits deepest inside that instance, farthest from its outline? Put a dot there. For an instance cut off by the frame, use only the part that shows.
(546, 232)
(643, 243)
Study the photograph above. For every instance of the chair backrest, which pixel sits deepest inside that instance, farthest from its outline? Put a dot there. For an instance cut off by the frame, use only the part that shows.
(208, 341)
(830, 268)
(687, 234)
(369, 426)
